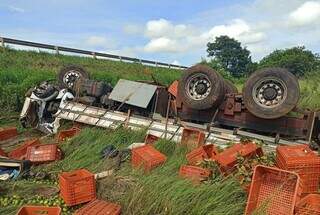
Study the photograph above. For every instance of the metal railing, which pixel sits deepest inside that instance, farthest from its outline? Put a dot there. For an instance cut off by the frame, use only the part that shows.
(57, 49)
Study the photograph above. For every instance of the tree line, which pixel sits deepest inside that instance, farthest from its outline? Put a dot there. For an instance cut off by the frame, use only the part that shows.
(229, 57)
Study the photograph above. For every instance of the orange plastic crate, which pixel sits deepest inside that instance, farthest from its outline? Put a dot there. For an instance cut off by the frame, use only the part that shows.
(150, 139)
(43, 153)
(2, 153)
(77, 187)
(196, 174)
(228, 158)
(302, 160)
(7, 133)
(62, 135)
(147, 157)
(309, 205)
(20, 152)
(276, 189)
(39, 210)
(201, 153)
(192, 138)
(99, 207)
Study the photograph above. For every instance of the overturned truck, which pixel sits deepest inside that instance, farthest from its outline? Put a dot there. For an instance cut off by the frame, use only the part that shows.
(201, 98)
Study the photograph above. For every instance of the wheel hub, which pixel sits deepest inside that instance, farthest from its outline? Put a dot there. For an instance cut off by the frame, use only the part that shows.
(70, 78)
(201, 88)
(198, 86)
(269, 92)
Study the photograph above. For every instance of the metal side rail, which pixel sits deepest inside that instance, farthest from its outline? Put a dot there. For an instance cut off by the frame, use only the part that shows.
(100, 117)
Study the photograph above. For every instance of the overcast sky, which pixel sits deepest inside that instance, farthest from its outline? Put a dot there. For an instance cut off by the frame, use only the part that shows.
(167, 30)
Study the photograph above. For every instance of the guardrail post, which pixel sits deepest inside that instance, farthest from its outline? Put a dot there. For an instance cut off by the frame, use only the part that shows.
(120, 58)
(169, 66)
(140, 61)
(2, 42)
(94, 55)
(156, 64)
(57, 50)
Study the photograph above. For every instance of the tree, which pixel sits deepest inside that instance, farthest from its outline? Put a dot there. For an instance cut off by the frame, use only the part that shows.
(231, 55)
(297, 60)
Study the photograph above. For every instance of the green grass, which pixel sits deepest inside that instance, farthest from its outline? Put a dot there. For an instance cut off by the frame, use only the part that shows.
(161, 191)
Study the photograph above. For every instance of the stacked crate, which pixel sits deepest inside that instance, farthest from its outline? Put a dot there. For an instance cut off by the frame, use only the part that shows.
(302, 160)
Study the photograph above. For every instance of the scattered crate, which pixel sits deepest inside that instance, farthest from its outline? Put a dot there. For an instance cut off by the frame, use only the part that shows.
(150, 139)
(192, 138)
(2, 153)
(196, 174)
(147, 157)
(201, 153)
(77, 187)
(64, 134)
(20, 152)
(309, 205)
(7, 133)
(228, 158)
(97, 207)
(39, 210)
(274, 190)
(43, 153)
(302, 160)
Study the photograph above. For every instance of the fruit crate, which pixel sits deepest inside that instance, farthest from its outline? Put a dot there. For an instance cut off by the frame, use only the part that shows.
(196, 174)
(302, 160)
(147, 157)
(20, 152)
(77, 187)
(201, 153)
(43, 153)
(2, 153)
(228, 158)
(309, 205)
(192, 138)
(64, 134)
(274, 190)
(150, 139)
(39, 210)
(7, 133)
(97, 207)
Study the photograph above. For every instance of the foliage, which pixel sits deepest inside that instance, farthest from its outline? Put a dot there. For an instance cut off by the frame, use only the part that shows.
(297, 60)
(230, 55)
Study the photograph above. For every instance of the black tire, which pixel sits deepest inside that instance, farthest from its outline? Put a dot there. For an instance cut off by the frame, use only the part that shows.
(271, 93)
(214, 92)
(229, 87)
(68, 75)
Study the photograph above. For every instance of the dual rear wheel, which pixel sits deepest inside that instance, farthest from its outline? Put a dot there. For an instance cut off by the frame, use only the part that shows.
(268, 93)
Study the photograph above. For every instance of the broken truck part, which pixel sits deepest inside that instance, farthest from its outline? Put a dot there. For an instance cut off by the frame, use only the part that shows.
(201, 99)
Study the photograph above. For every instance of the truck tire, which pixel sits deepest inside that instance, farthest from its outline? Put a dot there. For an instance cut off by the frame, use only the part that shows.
(68, 75)
(229, 87)
(271, 93)
(200, 87)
